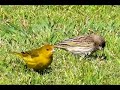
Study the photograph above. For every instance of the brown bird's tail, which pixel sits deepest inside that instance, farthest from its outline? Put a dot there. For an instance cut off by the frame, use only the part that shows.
(60, 46)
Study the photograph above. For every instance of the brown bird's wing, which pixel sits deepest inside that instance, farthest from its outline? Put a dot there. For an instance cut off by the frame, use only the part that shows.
(82, 41)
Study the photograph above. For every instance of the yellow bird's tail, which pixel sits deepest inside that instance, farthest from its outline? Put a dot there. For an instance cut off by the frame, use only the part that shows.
(16, 53)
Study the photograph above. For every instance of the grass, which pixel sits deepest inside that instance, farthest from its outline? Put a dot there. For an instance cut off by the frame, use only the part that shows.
(26, 27)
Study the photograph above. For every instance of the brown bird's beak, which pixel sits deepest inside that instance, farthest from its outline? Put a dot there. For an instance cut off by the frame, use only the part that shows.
(100, 48)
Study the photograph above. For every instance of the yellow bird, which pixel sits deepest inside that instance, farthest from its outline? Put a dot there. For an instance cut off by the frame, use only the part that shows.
(38, 59)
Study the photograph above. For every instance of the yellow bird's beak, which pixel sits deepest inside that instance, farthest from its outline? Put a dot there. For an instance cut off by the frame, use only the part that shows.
(53, 50)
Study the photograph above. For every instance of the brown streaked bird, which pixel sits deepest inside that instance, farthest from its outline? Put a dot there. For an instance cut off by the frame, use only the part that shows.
(83, 45)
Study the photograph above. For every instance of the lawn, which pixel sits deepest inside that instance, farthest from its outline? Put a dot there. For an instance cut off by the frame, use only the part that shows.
(24, 28)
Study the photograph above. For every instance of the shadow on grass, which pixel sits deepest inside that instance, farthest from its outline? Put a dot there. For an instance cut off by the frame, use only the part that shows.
(45, 71)
(102, 57)
(41, 72)
(93, 57)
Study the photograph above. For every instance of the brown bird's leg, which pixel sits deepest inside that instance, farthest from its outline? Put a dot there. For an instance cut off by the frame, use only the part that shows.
(103, 57)
(83, 56)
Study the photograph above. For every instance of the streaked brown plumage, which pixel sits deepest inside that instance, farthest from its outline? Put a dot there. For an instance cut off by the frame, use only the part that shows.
(83, 45)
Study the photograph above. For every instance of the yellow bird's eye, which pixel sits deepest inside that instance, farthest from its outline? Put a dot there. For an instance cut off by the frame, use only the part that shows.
(47, 49)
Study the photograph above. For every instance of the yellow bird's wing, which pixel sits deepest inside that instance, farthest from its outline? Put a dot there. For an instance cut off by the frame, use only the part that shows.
(33, 53)
(29, 56)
